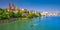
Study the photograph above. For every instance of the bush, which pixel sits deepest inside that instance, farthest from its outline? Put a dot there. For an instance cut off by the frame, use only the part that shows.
(18, 14)
(0, 17)
(35, 15)
(10, 14)
(5, 15)
(29, 16)
(1, 11)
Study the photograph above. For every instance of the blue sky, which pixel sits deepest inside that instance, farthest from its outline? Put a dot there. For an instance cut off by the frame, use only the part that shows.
(39, 5)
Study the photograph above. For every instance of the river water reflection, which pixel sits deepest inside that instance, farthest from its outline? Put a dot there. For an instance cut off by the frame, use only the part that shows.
(39, 23)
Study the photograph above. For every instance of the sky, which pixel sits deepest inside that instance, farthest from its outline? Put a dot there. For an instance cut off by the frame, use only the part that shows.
(37, 5)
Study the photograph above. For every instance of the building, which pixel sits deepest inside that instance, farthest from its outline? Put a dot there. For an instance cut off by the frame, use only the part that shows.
(11, 7)
(44, 13)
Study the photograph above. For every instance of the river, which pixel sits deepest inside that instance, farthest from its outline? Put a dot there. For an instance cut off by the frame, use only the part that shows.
(39, 23)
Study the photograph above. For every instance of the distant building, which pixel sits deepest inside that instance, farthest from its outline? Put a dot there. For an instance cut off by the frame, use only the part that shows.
(24, 10)
(11, 7)
(43, 13)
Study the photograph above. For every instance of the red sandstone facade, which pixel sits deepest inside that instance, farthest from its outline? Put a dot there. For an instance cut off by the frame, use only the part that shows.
(11, 7)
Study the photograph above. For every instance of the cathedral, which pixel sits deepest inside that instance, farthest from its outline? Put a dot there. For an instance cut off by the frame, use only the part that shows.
(12, 7)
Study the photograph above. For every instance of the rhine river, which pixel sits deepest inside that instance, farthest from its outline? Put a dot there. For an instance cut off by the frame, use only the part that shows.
(39, 23)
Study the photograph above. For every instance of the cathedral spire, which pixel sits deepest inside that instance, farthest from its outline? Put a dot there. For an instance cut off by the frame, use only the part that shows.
(9, 6)
(13, 8)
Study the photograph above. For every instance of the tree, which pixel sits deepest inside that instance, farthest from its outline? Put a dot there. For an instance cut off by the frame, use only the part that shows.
(10, 13)
(1, 11)
(0, 17)
(5, 15)
(18, 14)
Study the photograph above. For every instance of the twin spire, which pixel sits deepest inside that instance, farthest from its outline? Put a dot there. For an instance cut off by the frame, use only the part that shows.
(11, 7)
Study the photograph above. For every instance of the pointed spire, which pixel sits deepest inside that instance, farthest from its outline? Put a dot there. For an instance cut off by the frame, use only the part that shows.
(9, 6)
(12, 5)
(12, 2)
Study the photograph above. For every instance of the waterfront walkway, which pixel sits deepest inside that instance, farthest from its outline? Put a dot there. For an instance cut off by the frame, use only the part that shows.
(7, 20)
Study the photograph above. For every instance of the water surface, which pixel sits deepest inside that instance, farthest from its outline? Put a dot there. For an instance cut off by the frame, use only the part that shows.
(39, 23)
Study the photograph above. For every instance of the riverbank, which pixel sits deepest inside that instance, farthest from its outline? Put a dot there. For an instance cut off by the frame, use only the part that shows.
(12, 19)
(7, 20)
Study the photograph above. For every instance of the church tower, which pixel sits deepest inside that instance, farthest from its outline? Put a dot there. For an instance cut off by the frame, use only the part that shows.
(13, 7)
(9, 6)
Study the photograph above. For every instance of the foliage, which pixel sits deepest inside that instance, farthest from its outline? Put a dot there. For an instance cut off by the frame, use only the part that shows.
(10, 14)
(18, 14)
(0, 17)
(29, 16)
(5, 15)
(1, 11)
(36, 15)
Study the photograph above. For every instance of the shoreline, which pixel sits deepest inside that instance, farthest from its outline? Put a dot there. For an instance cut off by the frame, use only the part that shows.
(7, 20)
(12, 19)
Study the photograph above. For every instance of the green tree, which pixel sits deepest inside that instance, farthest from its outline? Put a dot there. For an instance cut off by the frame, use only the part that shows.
(0, 17)
(10, 13)
(1, 11)
(35, 15)
(5, 15)
(18, 14)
